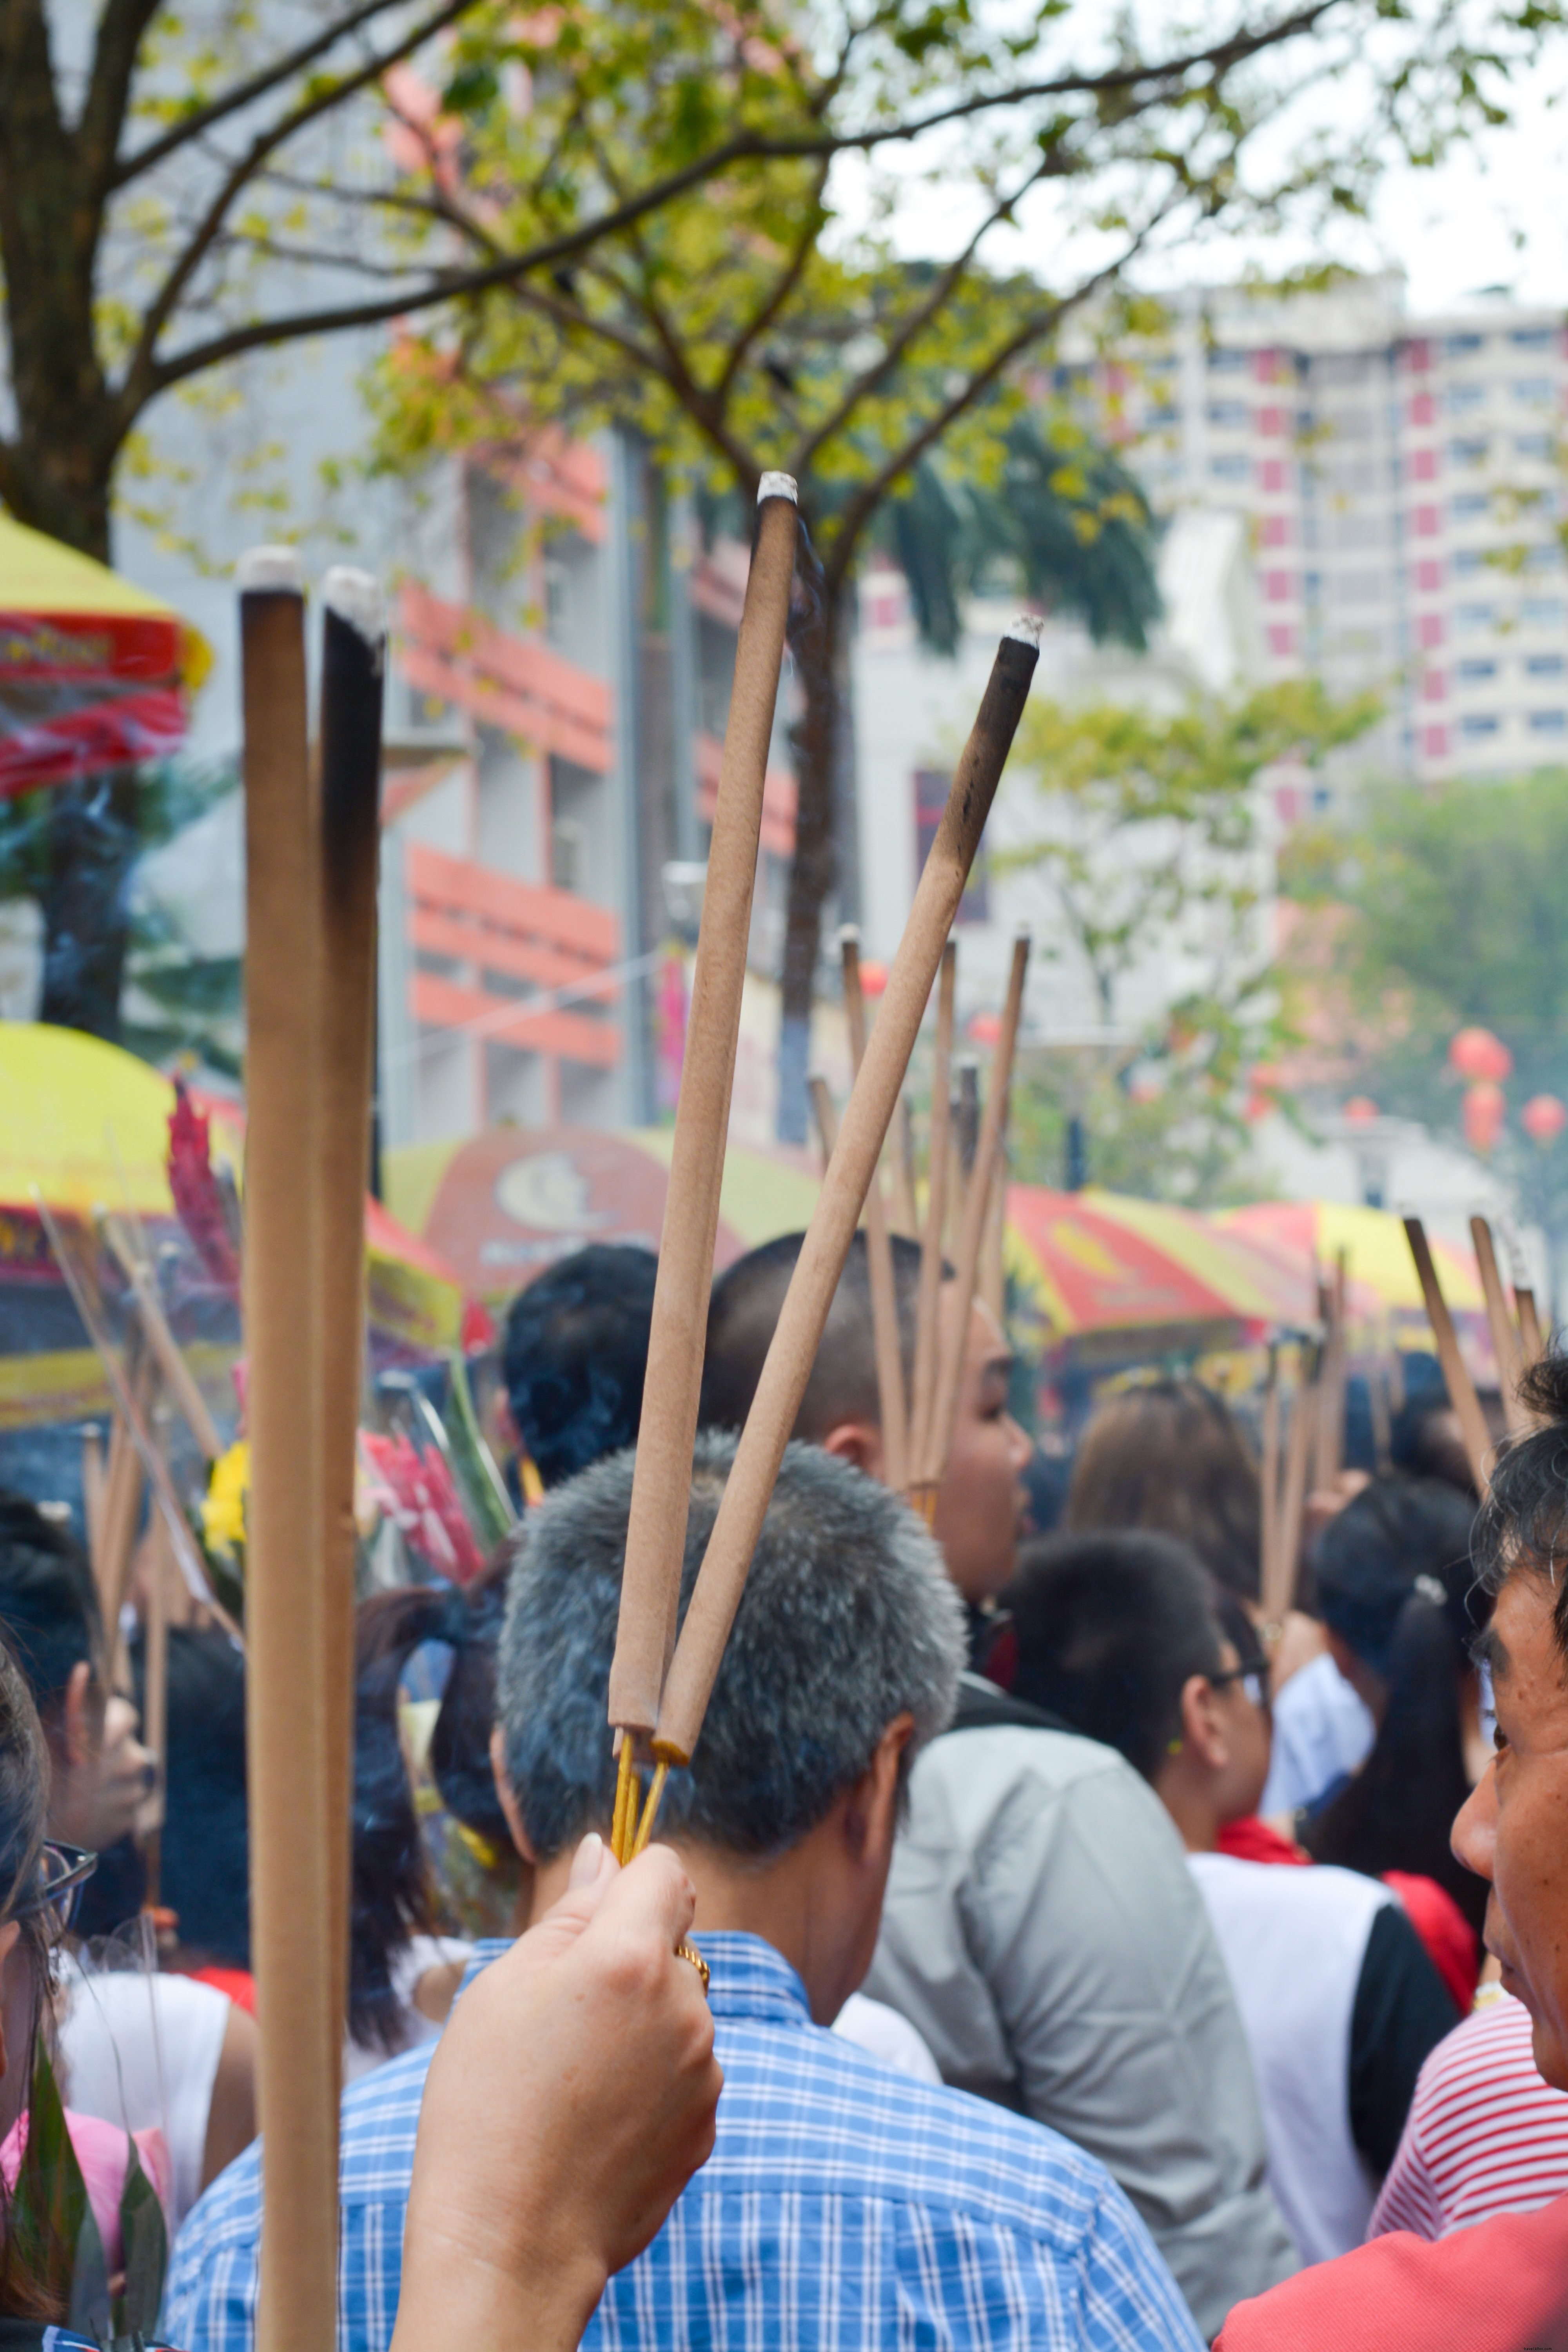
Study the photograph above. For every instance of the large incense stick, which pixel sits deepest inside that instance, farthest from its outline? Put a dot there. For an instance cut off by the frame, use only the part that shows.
(956, 1335)
(1499, 1322)
(824, 1115)
(166, 1347)
(928, 1310)
(798, 1334)
(1462, 1394)
(1269, 1478)
(353, 664)
(291, 1879)
(905, 1216)
(992, 1248)
(886, 1335)
(661, 1486)
(1280, 1594)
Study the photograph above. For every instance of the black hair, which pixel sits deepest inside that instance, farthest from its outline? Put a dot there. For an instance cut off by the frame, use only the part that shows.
(1171, 1457)
(1395, 1583)
(49, 1600)
(1109, 1626)
(204, 1852)
(37, 2259)
(460, 1743)
(743, 1312)
(575, 1356)
(1523, 1523)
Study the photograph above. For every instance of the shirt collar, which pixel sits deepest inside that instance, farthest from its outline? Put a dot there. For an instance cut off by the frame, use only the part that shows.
(747, 1977)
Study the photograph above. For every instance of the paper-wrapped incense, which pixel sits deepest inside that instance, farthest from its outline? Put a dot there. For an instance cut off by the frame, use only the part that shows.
(792, 1350)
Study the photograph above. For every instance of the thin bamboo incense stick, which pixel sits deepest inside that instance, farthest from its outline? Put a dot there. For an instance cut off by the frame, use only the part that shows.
(1499, 1322)
(824, 1115)
(798, 1334)
(992, 1248)
(161, 1340)
(656, 1535)
(905, 1216)
(1269, 1475)
(155, 1704)
(93, 1476)
(353, 666)
(928, 1310)
(956, 1335)
(1461, 1388)
(290, 1841)
(1278, 1599)
(1328, 1453)
(1529, 1334)
(885, 1333)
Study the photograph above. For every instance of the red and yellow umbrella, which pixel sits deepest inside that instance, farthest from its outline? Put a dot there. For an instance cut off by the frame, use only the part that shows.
(1384, 1295)
(94, 673)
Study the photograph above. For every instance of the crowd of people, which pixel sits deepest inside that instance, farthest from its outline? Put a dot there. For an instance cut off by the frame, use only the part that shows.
(1088, 1961)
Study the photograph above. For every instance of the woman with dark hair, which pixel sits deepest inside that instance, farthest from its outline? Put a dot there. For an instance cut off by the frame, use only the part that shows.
(1171, 1456)
(1401, 1602)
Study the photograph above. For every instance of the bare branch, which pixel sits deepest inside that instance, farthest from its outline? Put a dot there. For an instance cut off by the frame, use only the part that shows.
(121, 30)
(242, 94)
(788, 279)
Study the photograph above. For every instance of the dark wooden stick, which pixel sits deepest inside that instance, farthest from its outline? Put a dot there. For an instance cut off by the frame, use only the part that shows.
(1461, 1388)
(928, 1310)
(1499, 1323)
(885, 1332)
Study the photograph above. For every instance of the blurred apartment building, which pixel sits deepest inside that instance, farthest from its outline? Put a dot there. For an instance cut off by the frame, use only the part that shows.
(1401, 481)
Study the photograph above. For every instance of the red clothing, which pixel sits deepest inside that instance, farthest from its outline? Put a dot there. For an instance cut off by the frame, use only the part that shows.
(1500, 2287)
(1452, 1945)
(238, 1983)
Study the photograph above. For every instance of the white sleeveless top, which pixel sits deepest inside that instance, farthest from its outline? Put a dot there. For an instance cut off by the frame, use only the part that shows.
(1293, 1941)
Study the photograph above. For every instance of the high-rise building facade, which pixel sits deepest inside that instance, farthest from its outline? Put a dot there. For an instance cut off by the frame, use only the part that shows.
(1402, 480)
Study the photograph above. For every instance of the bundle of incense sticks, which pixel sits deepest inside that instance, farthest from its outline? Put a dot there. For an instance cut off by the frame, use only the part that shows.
(661, 1486)
(885, 1332)
(1506, 1346)
(310, 853)
(1461, 1389)
(792, 1350)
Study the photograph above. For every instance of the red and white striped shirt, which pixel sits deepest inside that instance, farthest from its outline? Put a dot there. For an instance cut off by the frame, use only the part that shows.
(1485, 2135)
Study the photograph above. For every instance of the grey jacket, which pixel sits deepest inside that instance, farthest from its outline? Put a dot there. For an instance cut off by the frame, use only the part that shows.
(1043, 1932)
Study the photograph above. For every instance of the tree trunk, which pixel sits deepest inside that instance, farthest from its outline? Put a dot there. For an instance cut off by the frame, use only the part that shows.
(815, 740)
(93, 843)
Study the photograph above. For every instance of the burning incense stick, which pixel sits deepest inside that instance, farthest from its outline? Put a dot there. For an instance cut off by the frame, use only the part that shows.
(656, 1535)
(928, 1311)
(955, 1336)
(793, 1350)
(291, 1839)
(824, 1114)
(1461, 1388)
(353, 664)
(1499, 1322)
(885, 1333)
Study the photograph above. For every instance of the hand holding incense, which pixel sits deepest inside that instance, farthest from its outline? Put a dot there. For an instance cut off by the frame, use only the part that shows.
(655, 1534)
(977, 1199)
(885, 1335)
(862, 1130)
(1461, 1388)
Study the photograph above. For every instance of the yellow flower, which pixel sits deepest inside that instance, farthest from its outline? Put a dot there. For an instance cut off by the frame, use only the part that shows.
(223, 1510)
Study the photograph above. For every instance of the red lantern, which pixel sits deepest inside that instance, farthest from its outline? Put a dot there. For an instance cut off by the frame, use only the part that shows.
(1360, 1111)
(873, 978)
(1477, 1054)
(985, 1028)
(1543, 1119)
(1485, 1109)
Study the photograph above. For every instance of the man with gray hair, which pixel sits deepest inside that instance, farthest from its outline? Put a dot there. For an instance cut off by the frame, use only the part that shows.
(843, 2202)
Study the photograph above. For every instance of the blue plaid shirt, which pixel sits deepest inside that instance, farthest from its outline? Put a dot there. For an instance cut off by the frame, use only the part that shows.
(844, 2205)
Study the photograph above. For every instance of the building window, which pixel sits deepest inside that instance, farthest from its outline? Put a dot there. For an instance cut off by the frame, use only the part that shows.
(1471, 671)
(1465, 560)
(1231, 467)
(1429, 629)
(1541, 613)
(1542, 558)
(1277, 531)
(932, 787)
(1543, 664)
(1434, 742)
(1227, 362)
(1533, 339)
(1281, 640)
(1424, 466)
(1166, 413)
(1476, 723)
(1548, 723)
(1474, 616)
(1456, 345)
(1230, 416)
(1471, 506)
(1428, 576)
(1279, 586)
(568, 855)
(1532, 388)
(1468, 452)
(1533, 444)
(1272, 475)
(1462, 397)
(1433, 686)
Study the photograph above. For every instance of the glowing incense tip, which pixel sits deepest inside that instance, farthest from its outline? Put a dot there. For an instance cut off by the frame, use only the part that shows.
(779, 486)
(264, 568)
(1026, 629)
(356, 598)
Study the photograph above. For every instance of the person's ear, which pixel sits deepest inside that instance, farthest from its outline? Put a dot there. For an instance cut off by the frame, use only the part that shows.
(508, 1800)
(858, 1443)
(9, 1934)
(871, 1808)
(76, 1726)
(1202, 1732)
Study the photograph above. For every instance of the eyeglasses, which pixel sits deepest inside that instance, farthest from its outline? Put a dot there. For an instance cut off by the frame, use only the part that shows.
(1254, 1681)
(55, 1891)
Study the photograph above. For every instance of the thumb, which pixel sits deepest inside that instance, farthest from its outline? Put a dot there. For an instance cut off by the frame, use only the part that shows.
(651, 1896)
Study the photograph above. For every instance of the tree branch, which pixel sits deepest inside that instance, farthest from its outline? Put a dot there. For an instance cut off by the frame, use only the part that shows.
(788, 279)
(121, 29)
(245, 93)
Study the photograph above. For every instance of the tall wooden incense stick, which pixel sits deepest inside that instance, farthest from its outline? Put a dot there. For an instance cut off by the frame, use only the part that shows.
(1280, 1595)
(994, 1247)
(905, 1216)
(353, 666)
(798, 1333)
(123, 1244)
(1329, 1442)
(1462, 1394)
(1531, 1342)
(1268, 1478)
(292, 1930)
(155, 1703)
(955, 1331)
(928, 1308)
(1499, 1323)
(662, 1485)
(824, 1115)
(885, 1332)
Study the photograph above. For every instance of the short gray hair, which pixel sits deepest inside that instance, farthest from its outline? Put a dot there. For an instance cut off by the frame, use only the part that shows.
(847, 1619)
